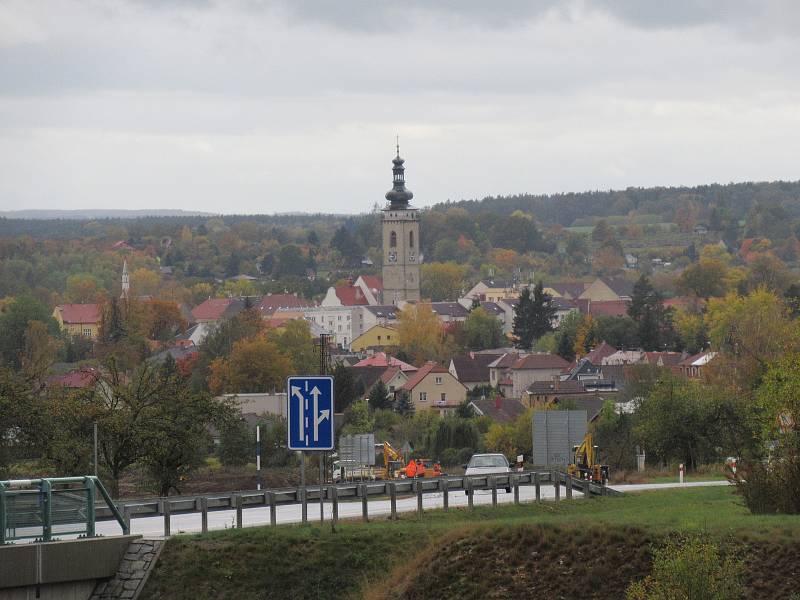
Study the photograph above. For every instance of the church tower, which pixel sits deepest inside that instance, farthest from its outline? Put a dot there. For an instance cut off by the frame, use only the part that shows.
(126, 280)
(400, 240)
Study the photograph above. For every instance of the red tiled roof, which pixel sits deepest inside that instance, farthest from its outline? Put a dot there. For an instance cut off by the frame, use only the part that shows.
(121, 245)
(350, 295)
(78, 379)
(373, 282)
(211, 309)
(380, 359)
(667, 358)
(608, 308)
(598, 354)
(540, 361)
(272, 302)
(388, 374)
(80, 313)
(426, 369)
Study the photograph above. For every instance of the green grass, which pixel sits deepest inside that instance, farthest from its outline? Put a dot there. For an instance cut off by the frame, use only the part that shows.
(314, 562)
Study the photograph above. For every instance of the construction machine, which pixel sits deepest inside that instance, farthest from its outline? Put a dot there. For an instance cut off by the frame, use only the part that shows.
(584, 464)
(393, 462)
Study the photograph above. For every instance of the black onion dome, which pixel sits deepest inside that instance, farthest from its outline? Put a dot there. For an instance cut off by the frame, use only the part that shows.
(398, 196)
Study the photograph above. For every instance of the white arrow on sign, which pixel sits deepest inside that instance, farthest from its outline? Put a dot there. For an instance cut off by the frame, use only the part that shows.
(298, 394)
(325, 414)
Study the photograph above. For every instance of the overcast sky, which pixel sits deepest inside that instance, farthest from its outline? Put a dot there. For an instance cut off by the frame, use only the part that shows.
(293, 105)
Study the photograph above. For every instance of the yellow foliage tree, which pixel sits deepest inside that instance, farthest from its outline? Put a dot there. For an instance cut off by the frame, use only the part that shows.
(420, 334)
(254, 365)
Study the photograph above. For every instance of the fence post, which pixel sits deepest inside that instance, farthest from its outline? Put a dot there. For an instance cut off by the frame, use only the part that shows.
(393, 500)
(3, 519)
(537, 486)
(273, 509)
(126, 517)
(47, 510)
(494, 491)
(419, 498)
(444, 485)
(556, 485)
(364, 510)
(568, 487)
(334, 494)
(167, 509)
(204, 514)
(470, 493)
(237, 501)
(303, 503)
(515, 484)
(90, 498)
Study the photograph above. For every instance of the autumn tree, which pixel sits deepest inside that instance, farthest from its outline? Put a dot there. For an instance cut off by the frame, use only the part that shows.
(704, 279)
(145, 282)
(295, 341)
(420, 334)
(254, 365)
(38, 351)
(442, 281)
(163, 320)
(14, 323)
(653, 320)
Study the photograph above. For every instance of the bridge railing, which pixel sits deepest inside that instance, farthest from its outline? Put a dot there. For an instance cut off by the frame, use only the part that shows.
(41, 509)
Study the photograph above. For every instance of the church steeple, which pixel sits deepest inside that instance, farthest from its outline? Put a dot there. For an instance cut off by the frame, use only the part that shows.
(126, 280)
(398, 196)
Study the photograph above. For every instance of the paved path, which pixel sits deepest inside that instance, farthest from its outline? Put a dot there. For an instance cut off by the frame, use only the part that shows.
(291, 513)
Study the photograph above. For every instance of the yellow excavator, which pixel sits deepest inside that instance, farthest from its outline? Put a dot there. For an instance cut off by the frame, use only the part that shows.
(393, 462)
(585, 465)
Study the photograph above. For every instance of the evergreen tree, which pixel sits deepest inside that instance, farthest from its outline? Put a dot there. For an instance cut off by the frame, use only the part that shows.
(533, 316)
(379, 396)
(654, 322)
(347, 388)
(403, 404)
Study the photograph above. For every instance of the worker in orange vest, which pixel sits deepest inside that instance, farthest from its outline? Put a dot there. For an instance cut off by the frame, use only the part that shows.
(411, 469)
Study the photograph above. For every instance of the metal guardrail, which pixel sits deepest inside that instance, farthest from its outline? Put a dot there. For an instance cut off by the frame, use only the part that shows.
(39, 508)
(333, 493)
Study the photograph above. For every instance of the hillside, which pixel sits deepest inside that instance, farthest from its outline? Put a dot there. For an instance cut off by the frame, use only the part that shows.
(531, 551)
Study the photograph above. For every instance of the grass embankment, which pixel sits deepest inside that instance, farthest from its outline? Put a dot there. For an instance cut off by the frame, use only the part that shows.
(584, 548)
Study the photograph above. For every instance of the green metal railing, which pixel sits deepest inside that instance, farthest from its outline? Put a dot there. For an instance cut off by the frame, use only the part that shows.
(38, 509)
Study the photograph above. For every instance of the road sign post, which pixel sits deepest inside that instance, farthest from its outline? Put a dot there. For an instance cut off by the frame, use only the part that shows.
(310, 423)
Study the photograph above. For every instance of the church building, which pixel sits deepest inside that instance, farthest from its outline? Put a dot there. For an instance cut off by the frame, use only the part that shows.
(401, 243)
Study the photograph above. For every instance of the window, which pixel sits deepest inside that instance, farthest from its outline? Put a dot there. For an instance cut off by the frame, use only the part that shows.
(87, 332)
(393, 240)
(423, 396)
(339, 328)
(388, 337)
(379, 338)
(444, 398)
(438, 381)
(410, 239)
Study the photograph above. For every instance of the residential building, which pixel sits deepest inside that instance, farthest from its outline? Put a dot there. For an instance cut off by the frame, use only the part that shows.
(534, 367)
(493, 290)
(336, 321)
(345, 295)
(434, 387)
(273, 302)
(567, 291)
(600, 352)
(472, 369)
(377, 337)
(215, 310)
(449, 312)
(401, 241)
(500, 371)
(623, 357)
(605, 289)
(266, 403)
(381, 359)
(79, 319)
(693, 367)
(498, 409)
(563, 308)
(366, 317)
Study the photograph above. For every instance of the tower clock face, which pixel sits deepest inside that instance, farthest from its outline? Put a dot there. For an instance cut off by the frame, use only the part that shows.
(392, 256)
(411, 257)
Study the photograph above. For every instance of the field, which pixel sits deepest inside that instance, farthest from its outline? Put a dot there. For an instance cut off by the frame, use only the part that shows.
(545, 550)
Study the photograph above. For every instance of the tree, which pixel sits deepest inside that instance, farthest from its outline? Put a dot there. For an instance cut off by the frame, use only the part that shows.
(236, 443)
(482, 330)
(420, 334)
(704, 279)
(567, 334)
(358, 418)
(294, 340)
(533, 316)
(654, 321)
(164, 320)
(768, 271)
(620, 332)
(379, 397)
(14, 323)
(403, 404)
(442, 281)
(347, 388)
(691, 330)
(176, 437)
(348, 246)
(82, 288)
(145, 282)
(38, 351)
(586, 336)
(254, 365)
(291, 261)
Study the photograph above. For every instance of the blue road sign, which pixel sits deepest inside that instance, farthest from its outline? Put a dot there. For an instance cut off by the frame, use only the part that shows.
(310, 410)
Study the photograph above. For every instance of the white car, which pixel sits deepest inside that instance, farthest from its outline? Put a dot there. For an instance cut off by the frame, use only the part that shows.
(488, 464)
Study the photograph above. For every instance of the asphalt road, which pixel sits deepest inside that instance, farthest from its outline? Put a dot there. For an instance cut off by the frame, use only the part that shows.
(291, 513)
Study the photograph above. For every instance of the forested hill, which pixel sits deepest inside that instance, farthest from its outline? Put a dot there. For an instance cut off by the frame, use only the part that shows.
(565, 209)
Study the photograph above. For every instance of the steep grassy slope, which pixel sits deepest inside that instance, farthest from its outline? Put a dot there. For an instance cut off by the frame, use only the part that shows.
(542, 550)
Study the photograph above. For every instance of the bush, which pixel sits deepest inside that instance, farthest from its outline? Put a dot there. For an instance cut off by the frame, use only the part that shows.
(692, 568)
(236, 443)
(773, 486)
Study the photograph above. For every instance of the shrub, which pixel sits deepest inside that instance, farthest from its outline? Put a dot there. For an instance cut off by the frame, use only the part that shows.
(692, 568)
(773, 486)
(236, 443)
